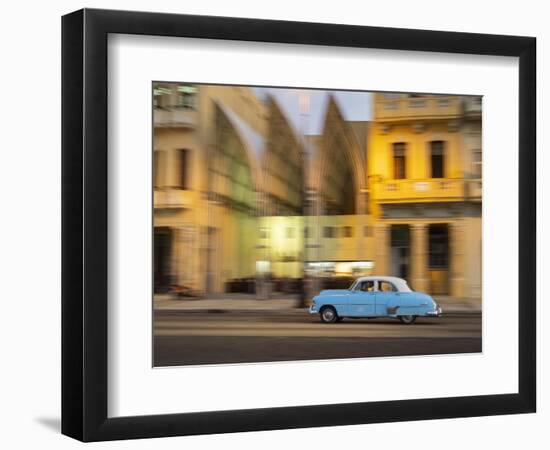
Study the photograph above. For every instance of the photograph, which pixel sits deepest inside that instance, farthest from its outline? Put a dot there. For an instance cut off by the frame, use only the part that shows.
(298, 224)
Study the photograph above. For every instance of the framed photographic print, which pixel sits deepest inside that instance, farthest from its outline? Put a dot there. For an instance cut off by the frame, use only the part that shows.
(273, 224)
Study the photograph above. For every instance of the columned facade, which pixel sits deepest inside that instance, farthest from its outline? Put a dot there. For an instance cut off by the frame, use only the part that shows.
(457, 245)
(382, 240)
(419, 247)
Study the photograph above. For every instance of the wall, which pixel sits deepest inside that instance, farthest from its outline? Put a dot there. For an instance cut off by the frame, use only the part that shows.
(30, 237)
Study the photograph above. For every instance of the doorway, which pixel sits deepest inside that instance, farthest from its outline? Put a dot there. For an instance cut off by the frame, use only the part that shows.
(400, 251)
(162, 253)
(438, 258)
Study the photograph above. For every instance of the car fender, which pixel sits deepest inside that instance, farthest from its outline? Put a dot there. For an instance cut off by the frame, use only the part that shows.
(409, 303)
(337, 301)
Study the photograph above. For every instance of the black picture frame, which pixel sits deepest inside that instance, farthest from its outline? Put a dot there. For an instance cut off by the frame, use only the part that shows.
(84, 224)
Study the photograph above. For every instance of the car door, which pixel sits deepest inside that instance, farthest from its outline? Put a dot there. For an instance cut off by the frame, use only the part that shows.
(362, 299)
(385, 296)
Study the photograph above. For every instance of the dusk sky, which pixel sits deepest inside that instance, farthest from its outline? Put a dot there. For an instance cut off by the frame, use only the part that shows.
(353, 104)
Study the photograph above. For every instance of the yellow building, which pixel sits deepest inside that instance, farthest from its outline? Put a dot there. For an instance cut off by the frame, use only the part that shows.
(205, 184)
(425, 175)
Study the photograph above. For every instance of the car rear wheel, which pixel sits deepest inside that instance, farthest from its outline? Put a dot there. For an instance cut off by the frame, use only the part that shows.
(407, 320)
(328, 315)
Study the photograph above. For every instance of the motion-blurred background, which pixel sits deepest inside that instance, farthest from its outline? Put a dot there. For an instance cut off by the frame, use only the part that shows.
(266, 193)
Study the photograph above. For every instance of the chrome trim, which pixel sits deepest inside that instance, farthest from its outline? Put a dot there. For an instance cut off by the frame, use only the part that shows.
(437, 313)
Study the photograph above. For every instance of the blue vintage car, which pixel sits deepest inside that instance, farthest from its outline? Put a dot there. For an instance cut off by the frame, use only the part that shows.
(374, 296)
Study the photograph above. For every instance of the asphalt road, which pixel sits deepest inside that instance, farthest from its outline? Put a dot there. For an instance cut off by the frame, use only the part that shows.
(192, 338)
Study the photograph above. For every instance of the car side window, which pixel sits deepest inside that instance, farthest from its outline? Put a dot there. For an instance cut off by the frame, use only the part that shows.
(367, 286)
(386, 286)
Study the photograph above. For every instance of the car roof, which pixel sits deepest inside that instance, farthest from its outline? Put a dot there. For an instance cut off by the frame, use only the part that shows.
(399, 283)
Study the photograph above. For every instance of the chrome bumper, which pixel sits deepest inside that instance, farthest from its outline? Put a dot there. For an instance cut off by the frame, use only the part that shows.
(437, 313)
(312, 310)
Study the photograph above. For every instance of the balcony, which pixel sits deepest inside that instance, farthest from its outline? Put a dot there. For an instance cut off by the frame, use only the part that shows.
(175, 118)
(407, 108)
(172, 199)
(414, 191)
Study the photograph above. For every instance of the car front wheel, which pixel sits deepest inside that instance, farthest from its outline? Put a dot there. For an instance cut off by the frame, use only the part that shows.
(328, 315)
(407, 320)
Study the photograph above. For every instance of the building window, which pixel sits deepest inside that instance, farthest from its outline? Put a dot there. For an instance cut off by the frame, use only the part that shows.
(367, 231)
(289, 232)
(347, 231)
(438, 159)
(307, 232)
(158, 168)
(183, 156)
(399, 161)
(328, 232)
(186, 96)
(476, 163)
(264, 233)
(417, 103)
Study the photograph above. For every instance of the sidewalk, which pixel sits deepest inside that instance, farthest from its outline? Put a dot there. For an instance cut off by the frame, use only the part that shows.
(281, 304)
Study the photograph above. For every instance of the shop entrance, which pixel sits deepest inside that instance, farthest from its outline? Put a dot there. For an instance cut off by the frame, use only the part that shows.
(438, 258)
(161, 257)
(400, 251)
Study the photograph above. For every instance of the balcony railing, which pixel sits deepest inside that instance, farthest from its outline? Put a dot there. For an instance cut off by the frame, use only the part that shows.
(433, 189)
(418, 107)
(175, 118)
